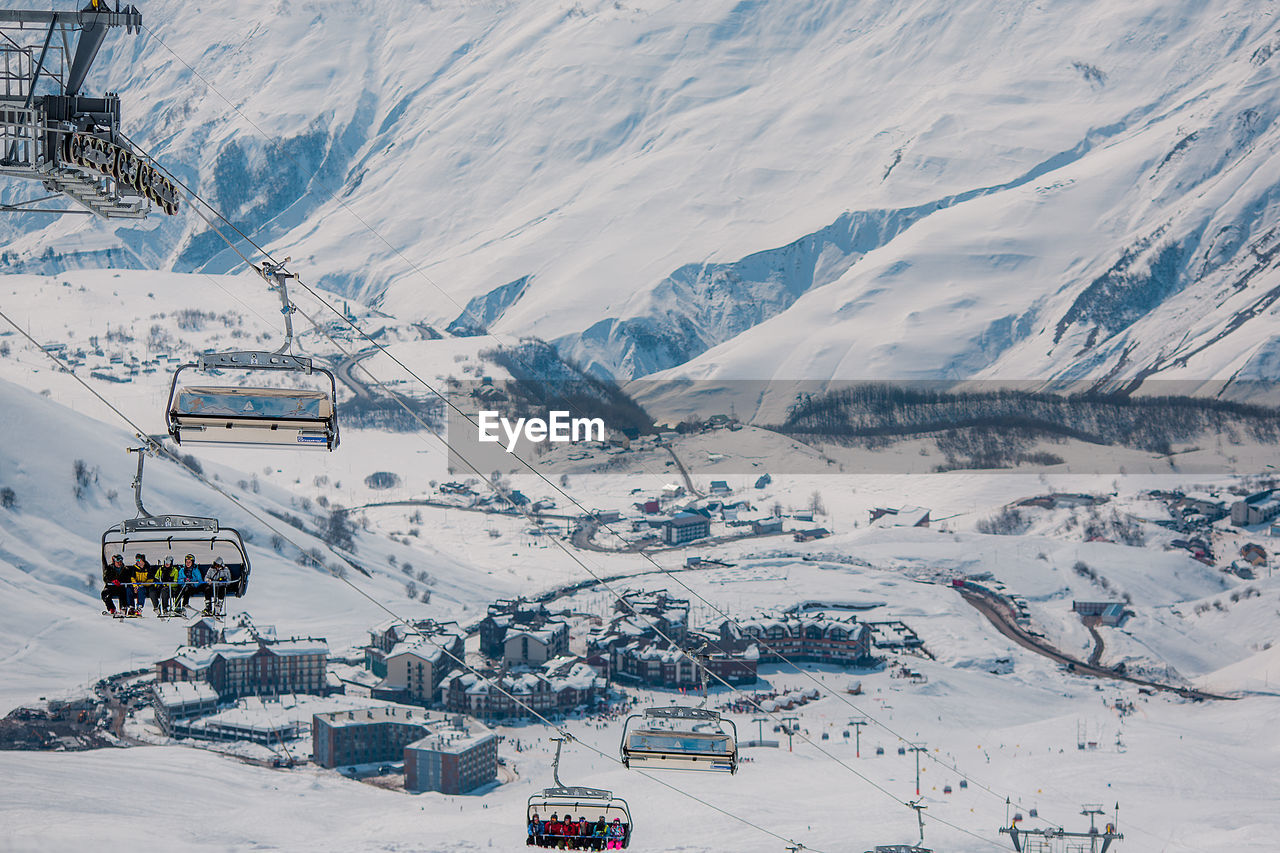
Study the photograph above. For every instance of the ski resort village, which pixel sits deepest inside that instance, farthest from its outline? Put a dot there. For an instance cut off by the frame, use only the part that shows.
(741, 426)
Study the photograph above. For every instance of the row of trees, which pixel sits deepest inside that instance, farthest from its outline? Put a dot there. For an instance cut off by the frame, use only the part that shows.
(545, 380)
(999, 424)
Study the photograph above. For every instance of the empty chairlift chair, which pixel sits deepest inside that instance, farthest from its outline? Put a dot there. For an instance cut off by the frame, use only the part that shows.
(680, 738)
(254, 416)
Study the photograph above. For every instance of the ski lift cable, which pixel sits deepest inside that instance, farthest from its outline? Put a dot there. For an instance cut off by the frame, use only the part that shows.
(799, 670)
(334, 196)
(600, 580)
(606, 585)
(499, 489)
(158, 448)
(198, 201)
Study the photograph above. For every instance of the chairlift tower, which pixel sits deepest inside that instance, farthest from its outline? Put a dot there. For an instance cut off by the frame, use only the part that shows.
(918, 806)
(917, 748)
(51, 132)
(1059, 840)
(857, 736)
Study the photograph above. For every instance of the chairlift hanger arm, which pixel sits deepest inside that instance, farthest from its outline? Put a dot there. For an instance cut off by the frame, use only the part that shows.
(137, 479)
(555, 762)
(278, 277)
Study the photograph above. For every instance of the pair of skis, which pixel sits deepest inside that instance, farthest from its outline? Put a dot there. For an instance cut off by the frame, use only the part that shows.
(125, 613)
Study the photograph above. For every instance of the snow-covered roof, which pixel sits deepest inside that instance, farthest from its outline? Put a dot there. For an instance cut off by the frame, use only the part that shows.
(578, 676)
(179, 693)
(288, 648)
(377, 714)
(795, 625)
(688, 519)
(907, 516)
(452, 739)
(545, 636)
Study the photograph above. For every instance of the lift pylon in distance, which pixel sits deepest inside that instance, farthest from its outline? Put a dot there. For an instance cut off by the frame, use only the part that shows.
(595, 805)
(680, 738)
(257, 415)
(52, 133)
(153, 538)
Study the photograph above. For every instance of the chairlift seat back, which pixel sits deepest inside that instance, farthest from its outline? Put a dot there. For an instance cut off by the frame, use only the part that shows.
(664, 749)
(235, 401)
(254, 416)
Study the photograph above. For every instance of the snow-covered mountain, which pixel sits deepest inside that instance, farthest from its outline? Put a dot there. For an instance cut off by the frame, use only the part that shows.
(733, 189)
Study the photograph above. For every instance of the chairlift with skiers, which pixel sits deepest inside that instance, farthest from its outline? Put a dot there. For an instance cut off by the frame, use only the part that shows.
(599, 808)
(157, 537)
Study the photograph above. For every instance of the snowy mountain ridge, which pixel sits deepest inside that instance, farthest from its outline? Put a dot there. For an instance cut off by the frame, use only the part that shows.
(1052, 191)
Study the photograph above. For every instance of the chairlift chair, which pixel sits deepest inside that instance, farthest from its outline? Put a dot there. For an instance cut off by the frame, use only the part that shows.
(679, 738)
(158, 536)
(591, 803)
(255, 416)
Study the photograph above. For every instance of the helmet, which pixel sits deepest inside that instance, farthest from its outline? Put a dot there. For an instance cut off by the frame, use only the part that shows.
(142, 557)
(218, 561)
(115, 557)
(191, 557)
(168, 561)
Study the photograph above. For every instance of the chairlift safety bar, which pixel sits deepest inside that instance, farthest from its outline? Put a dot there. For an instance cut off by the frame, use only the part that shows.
(684, 713)
(165, 523)
(577, 793)
(253, 360)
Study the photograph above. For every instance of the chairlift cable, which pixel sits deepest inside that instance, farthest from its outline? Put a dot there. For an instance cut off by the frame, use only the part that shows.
(606, 585)
(161, 449)
(334, 196)
(529, 516)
